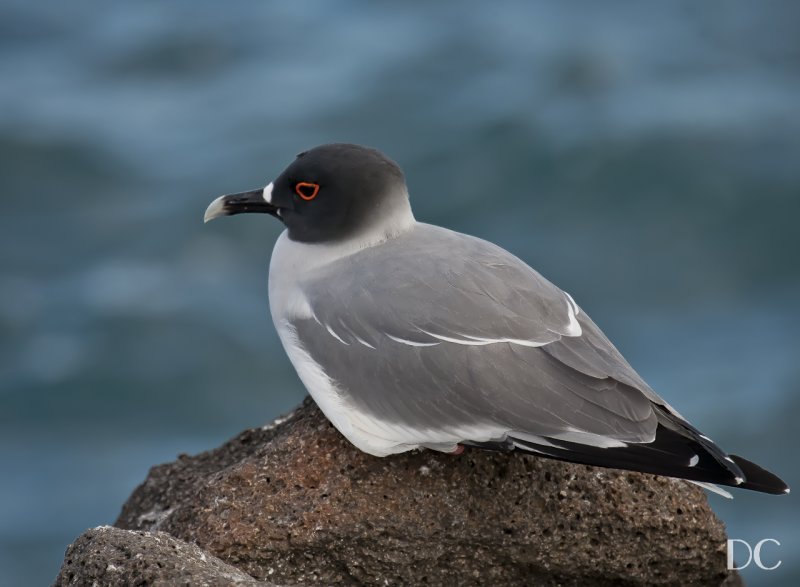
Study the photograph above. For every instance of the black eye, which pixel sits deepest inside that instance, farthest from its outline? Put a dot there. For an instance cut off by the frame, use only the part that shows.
(307, 190)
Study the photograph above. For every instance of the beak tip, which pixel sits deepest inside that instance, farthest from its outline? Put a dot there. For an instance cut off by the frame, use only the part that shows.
(230, 204)
(215, 210)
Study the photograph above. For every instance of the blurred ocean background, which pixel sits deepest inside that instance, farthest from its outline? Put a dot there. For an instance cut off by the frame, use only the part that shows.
(643, 156)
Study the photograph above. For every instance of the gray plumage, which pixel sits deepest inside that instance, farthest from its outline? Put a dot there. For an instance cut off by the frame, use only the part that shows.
(378, 305)
(409, 335)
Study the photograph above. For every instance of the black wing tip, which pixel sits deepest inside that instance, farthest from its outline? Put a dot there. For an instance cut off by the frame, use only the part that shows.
(730, 470)
(757, 478)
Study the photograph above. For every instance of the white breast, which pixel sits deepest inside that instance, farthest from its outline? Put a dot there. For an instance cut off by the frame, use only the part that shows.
(293, 263)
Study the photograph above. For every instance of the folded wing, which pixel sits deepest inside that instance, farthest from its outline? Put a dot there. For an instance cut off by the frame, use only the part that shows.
(443, 339)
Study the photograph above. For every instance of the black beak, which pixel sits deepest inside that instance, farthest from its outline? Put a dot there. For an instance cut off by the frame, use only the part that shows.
(231, 204)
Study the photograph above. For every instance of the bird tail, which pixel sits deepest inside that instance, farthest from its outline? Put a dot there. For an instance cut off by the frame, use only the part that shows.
(678, 450)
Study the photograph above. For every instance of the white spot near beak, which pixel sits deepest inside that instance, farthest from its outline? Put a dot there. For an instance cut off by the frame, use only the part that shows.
(268, 193)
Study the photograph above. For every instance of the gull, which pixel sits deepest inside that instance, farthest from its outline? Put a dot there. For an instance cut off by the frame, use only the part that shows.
(409, 335)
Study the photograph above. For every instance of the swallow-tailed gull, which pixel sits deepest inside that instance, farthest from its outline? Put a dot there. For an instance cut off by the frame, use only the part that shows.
(409, 335)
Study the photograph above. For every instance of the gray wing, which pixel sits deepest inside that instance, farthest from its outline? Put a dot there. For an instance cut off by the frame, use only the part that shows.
(436, 338)
(440, 332)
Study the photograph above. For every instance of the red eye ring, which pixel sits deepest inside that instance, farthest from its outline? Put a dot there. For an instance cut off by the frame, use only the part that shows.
(307, 190)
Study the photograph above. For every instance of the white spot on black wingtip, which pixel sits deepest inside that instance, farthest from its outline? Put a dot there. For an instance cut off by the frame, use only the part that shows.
(787, 490)
(738, 480)
(267, 195)
(694, 460)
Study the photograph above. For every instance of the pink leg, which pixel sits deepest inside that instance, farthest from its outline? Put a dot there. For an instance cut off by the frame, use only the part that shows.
(459, 449)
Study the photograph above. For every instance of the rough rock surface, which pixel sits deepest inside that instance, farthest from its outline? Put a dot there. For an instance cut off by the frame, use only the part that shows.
(110, 556)
(295, 503)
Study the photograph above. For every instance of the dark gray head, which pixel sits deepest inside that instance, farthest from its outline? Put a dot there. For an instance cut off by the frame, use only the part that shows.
(329, 193)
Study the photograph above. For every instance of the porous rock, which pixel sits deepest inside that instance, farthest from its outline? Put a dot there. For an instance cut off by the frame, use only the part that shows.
(297, 504)
(110, 556)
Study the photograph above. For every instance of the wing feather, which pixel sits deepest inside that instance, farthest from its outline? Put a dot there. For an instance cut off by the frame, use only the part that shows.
(471, 341)
(436, 339)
